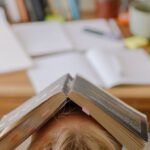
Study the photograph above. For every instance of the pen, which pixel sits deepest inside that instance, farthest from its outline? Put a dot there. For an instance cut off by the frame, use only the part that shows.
(100, 33)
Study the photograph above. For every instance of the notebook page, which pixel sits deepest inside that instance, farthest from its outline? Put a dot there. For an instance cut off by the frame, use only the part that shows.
(106, 66)
(83, 40)
(42, 38)
(121, 66)
(49, 68)
(136, 67)
(12, 54)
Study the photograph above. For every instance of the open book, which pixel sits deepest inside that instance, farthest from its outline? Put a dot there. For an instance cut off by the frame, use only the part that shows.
(43, 38)
(103, 67)
(107, 110)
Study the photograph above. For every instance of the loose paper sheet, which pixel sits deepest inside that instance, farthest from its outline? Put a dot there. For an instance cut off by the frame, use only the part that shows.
(83, 40)
(12, 54)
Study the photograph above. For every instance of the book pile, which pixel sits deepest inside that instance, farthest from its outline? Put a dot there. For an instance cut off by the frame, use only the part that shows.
(39, 10)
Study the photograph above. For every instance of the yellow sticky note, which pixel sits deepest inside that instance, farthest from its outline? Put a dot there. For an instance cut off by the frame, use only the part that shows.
(136, 42)
(58, 18)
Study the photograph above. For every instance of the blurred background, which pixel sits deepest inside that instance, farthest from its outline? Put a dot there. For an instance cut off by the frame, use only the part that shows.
(36, 35)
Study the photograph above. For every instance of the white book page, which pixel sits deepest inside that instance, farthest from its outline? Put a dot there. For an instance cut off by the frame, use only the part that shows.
(136, 67)
(12, 54)
(2, 15)
(42, 38)
(106, 65)
(83, 40)
(121, 66)
(50, 68)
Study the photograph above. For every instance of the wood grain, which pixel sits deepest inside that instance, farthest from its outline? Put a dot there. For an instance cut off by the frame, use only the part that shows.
(15, 85)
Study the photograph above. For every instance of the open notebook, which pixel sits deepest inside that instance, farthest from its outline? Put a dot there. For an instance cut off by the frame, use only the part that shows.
(42, 38)
(12, 54)
(103, 68)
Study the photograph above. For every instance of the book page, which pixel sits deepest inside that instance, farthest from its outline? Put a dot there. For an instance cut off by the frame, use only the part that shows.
(12, 54)
(42, 38)
(125, 115)
(136, 67)
(121, 66)
(49, 68)
(106, 65)
(13, 117)
(83, 40)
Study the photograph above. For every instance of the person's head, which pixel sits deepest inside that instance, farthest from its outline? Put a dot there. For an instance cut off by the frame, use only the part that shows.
(73, 130)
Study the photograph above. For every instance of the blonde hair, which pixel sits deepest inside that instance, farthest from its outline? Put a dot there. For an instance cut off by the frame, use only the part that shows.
(89, 137)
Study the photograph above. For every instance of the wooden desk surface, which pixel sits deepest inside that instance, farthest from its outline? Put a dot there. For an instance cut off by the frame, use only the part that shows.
(15, 88)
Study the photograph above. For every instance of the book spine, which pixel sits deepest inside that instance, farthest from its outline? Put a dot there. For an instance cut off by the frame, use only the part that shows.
(12, 10)
(52, 7)
(39, 11)
(45, 7)
(59, 7)
(66, 9)
(30, 10)
(23, 11)
(74, 9)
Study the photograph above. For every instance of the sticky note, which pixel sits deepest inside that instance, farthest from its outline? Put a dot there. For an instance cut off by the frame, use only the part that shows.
(123, 19)
(136, 42)
(55, 18)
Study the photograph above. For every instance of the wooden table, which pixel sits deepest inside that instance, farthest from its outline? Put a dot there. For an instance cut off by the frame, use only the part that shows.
(15, 88)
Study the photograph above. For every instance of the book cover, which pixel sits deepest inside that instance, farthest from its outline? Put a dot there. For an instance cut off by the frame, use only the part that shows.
(23, 11)
(16, 126)
(121, 112)
(52, 7)
(38, 9)
(66, 10)
(30, 10)
(45, 7)
(74, 7)
(12, 10)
